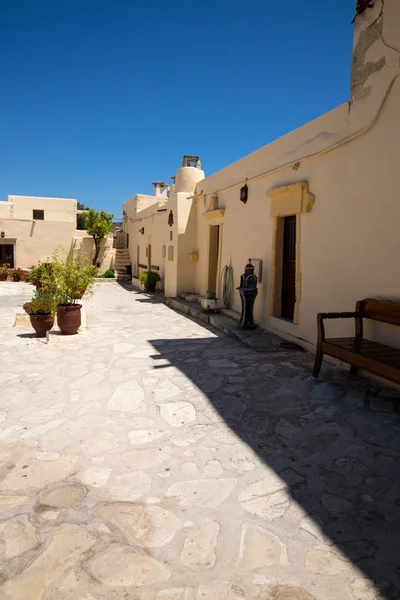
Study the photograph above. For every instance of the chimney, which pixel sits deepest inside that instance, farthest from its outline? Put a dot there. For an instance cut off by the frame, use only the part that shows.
(159, 188)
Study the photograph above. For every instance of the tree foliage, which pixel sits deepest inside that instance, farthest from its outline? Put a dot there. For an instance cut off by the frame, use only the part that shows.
(98, 224)
(80, 218)
(80, 221)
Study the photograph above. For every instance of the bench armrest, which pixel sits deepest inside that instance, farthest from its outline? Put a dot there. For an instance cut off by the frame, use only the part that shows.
(333, 315)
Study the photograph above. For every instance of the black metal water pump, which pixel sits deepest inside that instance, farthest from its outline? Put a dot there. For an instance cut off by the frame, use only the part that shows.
(248, 292)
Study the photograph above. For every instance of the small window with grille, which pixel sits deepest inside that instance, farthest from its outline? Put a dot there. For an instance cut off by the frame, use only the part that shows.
(38, 215)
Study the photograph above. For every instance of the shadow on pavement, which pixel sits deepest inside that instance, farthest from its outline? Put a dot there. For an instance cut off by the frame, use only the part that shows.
(340, 464)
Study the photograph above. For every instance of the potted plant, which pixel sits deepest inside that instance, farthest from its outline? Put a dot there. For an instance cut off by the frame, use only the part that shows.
(149, 280)
(17, 274)
(4, 272)
(42, 276)
(73, 277)
(41, 310)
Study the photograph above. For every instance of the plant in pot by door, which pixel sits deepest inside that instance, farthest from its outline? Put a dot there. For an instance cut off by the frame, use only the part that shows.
(41, 310)
(42, 276)
(4, 272)
(73, 278)
(149, 280)
(17, 274)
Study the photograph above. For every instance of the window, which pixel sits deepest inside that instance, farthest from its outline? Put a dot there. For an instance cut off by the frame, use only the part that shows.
(170, 253)
(38, 215)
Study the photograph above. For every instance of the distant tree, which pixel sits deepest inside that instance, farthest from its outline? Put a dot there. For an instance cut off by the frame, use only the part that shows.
(80, 218)
(80, 221)
(98, 224)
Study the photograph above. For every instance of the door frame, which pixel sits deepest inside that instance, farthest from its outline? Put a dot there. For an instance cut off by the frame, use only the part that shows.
(287, 200)
(219, 255)
(286, 271)
(10, 242)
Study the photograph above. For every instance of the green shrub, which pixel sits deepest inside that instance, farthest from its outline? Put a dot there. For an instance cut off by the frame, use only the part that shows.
(149, 277)
(42, 303)
(128, 270)
(74, 276)
(43, 276)
(4, 269)
(109, 274)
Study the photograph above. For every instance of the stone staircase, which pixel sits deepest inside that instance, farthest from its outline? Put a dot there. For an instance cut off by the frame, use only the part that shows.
(122, 258)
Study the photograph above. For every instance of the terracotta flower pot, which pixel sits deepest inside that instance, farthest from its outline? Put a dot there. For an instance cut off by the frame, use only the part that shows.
(3, 277)
(69, 318)
(41, 324)
(150, 287)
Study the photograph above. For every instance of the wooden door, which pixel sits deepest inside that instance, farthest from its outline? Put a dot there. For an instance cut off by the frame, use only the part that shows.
(213, 255)
(7, 255)
(289, 268)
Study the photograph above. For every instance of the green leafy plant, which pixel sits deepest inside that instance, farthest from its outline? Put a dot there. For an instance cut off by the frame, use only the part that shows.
(42, 303)
(73, 277)
(80, 221)
(43, 275)
(128, 270)
(4, 269)
(109, 274)
(98, 224)
(81, 206)
(149, 277)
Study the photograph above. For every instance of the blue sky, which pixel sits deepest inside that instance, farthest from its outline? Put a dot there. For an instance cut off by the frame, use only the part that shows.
(101, 97)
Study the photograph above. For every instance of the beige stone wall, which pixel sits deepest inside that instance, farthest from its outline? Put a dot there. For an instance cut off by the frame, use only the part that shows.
(55, 209)
(35, 241)
(5, 210)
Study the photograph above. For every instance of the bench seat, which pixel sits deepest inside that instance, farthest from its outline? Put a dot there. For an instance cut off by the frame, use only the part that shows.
(357, 351)
(365, 354)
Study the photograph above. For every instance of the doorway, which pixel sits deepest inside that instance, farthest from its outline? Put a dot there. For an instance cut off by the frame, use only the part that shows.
(213, 257)
(288, 296)
(7, 255)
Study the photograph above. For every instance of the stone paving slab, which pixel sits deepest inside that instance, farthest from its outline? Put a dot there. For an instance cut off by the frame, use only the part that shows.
(155, 458)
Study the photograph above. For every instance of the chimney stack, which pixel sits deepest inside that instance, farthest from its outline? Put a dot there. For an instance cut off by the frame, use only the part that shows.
(159, 188)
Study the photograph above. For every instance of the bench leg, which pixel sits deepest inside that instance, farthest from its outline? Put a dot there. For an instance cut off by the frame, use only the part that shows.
(317, 362)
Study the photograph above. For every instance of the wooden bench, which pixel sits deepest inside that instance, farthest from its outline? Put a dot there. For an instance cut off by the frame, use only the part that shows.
(358, 352)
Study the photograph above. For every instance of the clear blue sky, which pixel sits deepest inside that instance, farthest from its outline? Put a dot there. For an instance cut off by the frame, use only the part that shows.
(98, 98)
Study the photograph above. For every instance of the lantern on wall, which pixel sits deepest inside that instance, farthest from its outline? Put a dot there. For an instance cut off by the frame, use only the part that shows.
(3, 234)
(244, 192)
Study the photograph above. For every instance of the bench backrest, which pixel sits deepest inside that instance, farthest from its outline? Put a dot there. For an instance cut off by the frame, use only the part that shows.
(385, 311)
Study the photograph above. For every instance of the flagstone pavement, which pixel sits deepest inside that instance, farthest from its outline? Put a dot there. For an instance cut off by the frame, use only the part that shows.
(153, 458)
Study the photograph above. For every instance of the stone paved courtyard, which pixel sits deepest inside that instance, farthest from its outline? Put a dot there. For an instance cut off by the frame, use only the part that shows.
(152, 458)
